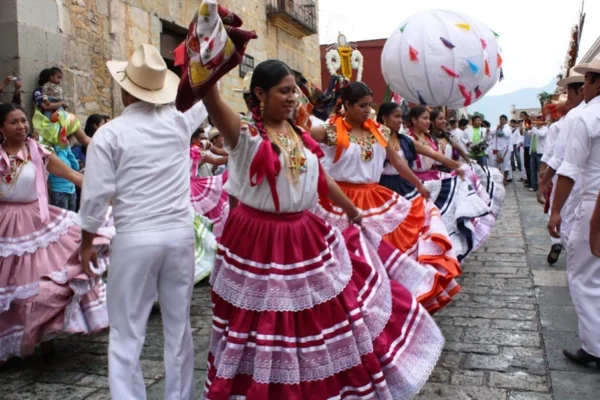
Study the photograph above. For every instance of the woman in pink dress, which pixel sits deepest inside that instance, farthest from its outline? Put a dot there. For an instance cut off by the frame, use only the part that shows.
(302, 310)
(468, 217)
(483, 180)
(206, 192)
(43, 289)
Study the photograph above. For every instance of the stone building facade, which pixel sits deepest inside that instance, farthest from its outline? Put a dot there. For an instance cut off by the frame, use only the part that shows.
(79, 36)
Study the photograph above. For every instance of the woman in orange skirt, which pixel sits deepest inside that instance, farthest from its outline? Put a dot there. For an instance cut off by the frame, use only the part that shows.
(355, 150)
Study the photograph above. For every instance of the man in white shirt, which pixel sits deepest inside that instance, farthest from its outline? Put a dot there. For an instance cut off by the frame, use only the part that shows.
(582, 162)
(474, 134)
(458, 133)
(556, 243)
(536, 150)
(575, 103)
(501, 146)
(140, 162)
(515, 139)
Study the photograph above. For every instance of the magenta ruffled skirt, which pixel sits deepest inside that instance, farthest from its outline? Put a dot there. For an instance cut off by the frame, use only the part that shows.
(43, 289)
(210, 200)
(304, 311)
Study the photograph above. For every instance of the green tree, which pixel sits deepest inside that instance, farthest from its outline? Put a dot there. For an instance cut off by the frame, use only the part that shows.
(544, 98)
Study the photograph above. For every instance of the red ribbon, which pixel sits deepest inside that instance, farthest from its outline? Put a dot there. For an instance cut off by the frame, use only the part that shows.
(266, 164)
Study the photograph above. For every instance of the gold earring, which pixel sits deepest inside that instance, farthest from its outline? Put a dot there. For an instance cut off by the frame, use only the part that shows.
(262, 107)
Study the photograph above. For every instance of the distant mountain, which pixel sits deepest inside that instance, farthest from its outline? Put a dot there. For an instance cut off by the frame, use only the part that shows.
(494, 106)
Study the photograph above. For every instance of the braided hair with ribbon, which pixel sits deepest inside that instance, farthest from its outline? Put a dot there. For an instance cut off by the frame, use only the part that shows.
(266, 163)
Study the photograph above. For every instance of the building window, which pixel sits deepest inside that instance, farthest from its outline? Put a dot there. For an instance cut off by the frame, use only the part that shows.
(172, 36)
(247, 65)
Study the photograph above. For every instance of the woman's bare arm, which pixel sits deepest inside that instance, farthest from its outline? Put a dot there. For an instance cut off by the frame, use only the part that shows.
(222, 116)
(337, 197)
(208, 159)
(219, 151)
(62, 170)
(405, 172)
(318, 133)
(428, 152)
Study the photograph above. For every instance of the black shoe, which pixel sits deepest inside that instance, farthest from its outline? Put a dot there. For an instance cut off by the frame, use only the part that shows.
(555, 251)
(581, 357)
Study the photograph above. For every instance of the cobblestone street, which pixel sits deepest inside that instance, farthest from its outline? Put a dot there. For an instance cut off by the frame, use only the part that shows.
(505, 331)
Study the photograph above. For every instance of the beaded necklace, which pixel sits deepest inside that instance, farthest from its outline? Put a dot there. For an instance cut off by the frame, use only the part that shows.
(292, 150)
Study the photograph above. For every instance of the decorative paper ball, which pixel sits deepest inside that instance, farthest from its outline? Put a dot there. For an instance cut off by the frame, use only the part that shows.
(441, 58)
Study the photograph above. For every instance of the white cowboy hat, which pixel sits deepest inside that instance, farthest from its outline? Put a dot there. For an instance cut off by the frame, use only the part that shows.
(146, 76)
(213, 133)
(574, 77)
(593, 66)
(246, 82)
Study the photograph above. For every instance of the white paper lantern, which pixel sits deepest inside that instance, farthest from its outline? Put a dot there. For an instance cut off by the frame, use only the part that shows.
(441, 58)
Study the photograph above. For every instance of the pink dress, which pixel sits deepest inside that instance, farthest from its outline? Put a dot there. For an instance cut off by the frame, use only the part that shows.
(486, 182)
(207, 194)
(302, 310)
(43, 290)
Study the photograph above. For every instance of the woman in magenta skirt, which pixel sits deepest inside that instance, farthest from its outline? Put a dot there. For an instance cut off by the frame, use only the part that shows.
(302, 310)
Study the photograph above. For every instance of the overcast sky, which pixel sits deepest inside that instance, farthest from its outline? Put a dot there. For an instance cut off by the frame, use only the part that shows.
(534, 36)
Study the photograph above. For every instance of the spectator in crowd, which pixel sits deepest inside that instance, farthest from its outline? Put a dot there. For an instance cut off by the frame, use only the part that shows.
(53, 94)
(217, 142)
(474, 135)
(516, 139)
(92, 124)
(38, 94)
(12, 80)
(62, 191)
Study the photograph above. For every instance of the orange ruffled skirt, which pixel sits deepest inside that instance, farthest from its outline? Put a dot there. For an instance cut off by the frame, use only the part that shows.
(420, 256)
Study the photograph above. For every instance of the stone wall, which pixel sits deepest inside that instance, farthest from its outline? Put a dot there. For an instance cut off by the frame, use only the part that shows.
(79, 36)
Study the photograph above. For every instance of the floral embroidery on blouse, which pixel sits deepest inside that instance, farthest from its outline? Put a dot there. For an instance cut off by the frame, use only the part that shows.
(366, 143)
(247, 126)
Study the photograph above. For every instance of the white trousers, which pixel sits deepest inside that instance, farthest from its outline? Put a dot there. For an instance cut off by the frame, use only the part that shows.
(504, 166)
(569, 212)
(522, 157)
(583, 269)
(562, 240)
(142, 265)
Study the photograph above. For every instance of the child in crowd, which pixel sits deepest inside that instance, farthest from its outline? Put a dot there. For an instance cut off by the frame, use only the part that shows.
(62, 191)
(53, 93)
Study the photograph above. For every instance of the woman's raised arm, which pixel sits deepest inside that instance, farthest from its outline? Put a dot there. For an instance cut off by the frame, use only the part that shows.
(222, 116)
